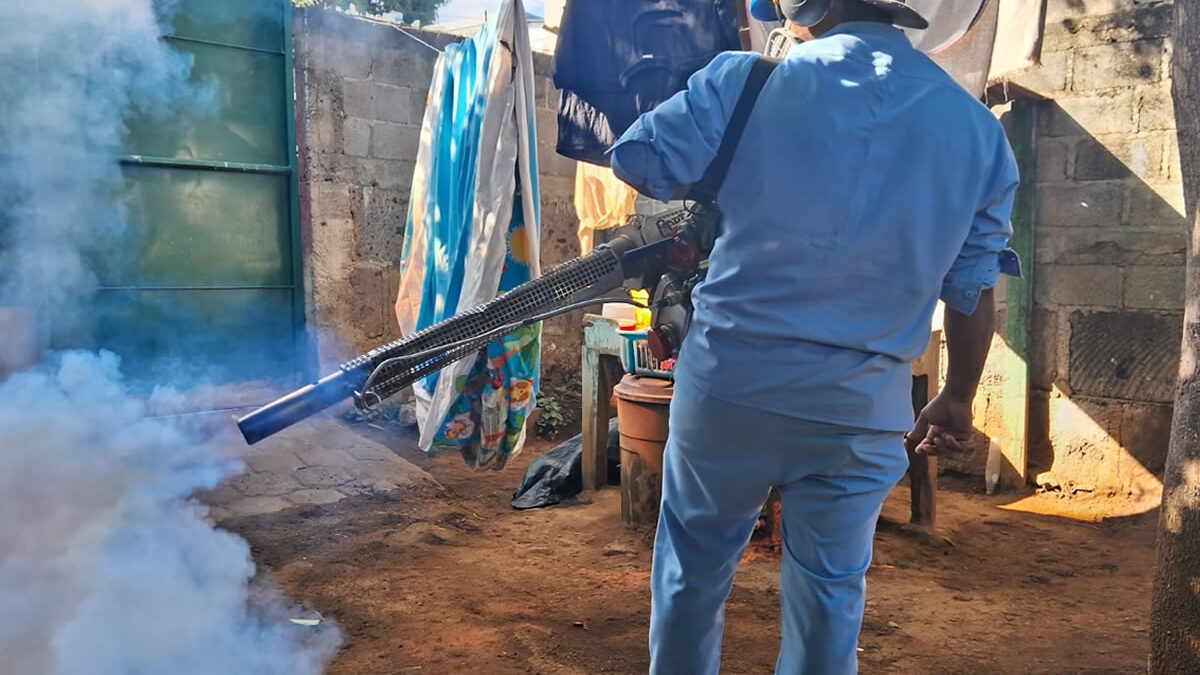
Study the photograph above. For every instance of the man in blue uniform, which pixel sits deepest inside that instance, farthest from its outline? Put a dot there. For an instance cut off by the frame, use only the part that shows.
(867, 186)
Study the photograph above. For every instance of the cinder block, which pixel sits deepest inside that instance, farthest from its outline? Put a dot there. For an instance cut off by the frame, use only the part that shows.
(394, 141)
(392, 103)
(546, 96)
(1043, 355)
(1078, 285)
(1086, 205)
(418, 100)
(547, 127)
(1145, 434)
(323, 128)
(329, 167)
(1120, 157)
(1113, 247)
(553, 97)
(1118, 64)
(357, 98)
(1083, 434)
(381, 238)
(1155, 108)
(1174, 172)
(404, 67)
(1048, 77)
(1076, 23)
(1094, 161)
(1157, 205)
(386, 173)
(1089, 114)
(357, 132)
(1155, 287)
(335, 54)
(1128, 355)
(1053, 156)
(550, 163)
(367, 283)
(1074, 10)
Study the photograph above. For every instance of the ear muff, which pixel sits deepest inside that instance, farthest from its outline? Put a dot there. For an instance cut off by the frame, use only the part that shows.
(805, 12)
(766, 10)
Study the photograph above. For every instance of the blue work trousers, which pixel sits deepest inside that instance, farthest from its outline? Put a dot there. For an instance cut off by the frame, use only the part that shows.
(721, 461)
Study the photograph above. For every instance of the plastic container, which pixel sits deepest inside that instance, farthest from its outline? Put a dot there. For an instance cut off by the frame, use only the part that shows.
(643, 414)
(624, 315)
(637, 359)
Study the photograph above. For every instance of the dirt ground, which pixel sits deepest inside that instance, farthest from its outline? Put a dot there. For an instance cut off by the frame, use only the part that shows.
(453, 580)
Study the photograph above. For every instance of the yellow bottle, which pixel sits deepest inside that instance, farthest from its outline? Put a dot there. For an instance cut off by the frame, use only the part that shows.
(642, 315)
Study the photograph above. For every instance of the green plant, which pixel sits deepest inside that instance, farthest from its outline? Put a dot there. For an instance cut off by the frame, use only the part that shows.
(552, 417)
(424, 11)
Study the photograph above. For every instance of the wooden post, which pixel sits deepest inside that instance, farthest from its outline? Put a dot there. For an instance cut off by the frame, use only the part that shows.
(601, 344)
(597, 409)
(1014, 445)
(922, 469)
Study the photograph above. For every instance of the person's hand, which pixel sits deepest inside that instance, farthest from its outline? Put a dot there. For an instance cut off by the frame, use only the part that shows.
(944, 426)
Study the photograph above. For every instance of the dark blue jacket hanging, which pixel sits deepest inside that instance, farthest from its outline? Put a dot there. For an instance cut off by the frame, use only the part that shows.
(617, 59)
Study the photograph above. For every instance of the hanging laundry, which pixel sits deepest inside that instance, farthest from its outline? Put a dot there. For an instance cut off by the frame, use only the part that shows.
(1019, 33)
(980, 41)
(472, 233)
(602, 202)
(553, 15)
(617, 59)
(968, 60)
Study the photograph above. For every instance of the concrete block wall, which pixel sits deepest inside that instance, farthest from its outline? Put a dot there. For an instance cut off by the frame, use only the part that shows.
(361, 94)
(1110, 242)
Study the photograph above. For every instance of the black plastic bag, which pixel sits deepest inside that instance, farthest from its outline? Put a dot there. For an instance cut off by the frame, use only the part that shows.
(557, 476)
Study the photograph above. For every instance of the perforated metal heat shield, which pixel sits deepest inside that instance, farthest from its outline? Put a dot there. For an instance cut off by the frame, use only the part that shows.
(580, 279)
(473, 329)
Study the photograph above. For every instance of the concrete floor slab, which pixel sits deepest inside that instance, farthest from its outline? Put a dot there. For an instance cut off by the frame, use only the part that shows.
(318, 461)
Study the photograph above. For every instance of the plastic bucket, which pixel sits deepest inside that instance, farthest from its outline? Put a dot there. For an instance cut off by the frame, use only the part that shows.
(643, 414)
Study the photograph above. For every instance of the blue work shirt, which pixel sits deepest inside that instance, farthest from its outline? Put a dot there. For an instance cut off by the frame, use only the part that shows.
(868, 184)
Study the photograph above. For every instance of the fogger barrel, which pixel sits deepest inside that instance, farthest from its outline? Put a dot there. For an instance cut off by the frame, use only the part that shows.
(390, 368)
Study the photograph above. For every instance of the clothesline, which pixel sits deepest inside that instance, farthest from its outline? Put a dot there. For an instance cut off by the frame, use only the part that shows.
(414, 37)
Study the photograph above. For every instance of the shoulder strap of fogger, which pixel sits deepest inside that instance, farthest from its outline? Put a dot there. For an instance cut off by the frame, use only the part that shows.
(714, 177)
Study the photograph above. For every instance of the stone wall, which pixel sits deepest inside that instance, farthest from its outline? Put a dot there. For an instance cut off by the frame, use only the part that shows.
(361, 92)
(1110, 240)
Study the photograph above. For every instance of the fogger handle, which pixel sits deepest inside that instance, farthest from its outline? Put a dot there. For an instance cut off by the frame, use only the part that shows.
(296, 406)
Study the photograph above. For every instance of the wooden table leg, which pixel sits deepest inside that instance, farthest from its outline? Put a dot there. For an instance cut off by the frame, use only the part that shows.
(597, 410)
(922, 469)
(922, 481)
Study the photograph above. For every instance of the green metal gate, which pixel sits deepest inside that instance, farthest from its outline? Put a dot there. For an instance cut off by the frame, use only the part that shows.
(208, 284)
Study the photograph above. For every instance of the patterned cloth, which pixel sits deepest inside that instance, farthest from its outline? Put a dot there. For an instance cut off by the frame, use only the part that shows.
(473, 233)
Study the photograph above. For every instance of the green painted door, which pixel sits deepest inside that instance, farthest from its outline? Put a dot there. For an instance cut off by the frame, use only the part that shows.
(207, 286)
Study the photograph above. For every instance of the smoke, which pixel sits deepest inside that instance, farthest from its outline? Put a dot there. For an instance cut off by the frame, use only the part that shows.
(70, 73)
(107, 566)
